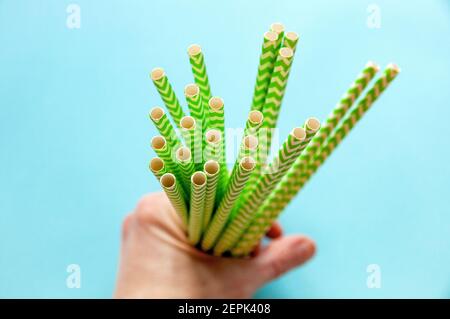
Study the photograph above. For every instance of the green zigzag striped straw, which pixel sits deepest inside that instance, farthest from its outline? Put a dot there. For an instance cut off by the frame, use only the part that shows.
(157, 167)
(278, 28)
(167, 94)
(197, 61)
(186, 166)
(346, 102)
(288, 153)
(165, 128)
(254, 122)
(239, 177)
(197, 111)
(265, 68)
(213, 146)
(197, 206)
(176, 197)
(164, 151)
(297, 176)
(192, 137)
(212, 170)
(290, 40)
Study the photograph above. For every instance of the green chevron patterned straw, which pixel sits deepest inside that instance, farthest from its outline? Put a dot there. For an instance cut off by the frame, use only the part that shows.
(278, 28)
(265, 68)
(197, 61)
(197, 206)
(157, 167)
(212, 170)
(239, 177)
(297, 176)
(288, 153)
(213, 146)
(254, 122)
(186, 167)
(192, 137)
(167, 94)
(176, 197)
(194, 101)
(164, 151)
(165, 128)
(290, 40)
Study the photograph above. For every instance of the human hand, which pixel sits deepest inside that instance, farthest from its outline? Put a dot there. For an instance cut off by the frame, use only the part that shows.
(157, 261)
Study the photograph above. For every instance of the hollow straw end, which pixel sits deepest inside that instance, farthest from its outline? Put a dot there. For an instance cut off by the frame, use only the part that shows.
(372, 64)
(194, 49)
(157, 74)
(394, 67)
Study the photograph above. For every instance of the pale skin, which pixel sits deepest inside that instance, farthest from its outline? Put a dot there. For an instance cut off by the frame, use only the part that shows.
(157, 261)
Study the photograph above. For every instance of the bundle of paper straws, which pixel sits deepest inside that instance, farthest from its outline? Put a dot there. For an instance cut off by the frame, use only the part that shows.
(228, 212)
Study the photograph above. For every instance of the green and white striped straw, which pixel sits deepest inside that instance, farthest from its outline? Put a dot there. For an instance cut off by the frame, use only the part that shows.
(167, 94)
(278, 28)
(192, 137)
(288, 153)
(165, 128)
(197, 206)
(298, 175)
(265, 68)
(212, 170)
(165, 152)
(213, 146)
(186, 167)
(194, 101)
(176, 197)
(290, 40)
(239, 177)
(254, 122)
(157, 167)
(197, 61)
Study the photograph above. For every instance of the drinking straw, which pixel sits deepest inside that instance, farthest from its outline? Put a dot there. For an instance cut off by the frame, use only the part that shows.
(157, 167)
(211, 169)
(165, 128)
(197, 61)
(298, 175)
(194, 101)
(197, 205)
(347, 100)
(192, 138)
(290, 40)
(167, 94)
(164, 151)
(288, 153)
(278, 28)
(265, 68)
(239, 177)
(213, 146)
(176, 197)
(254, 122)
(186, 166)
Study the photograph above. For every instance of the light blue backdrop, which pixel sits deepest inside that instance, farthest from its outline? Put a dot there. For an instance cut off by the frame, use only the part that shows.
(74, 135)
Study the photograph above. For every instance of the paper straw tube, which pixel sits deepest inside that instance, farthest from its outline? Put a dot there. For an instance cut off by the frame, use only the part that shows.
(238, 178)
(288, 153)
(212, 170)
(278, 28)
(167, 94)
(213, 146)
(186, 167)
(197, 61)
(192, 137)
(165, 128)
(340, 110)
(194, 101)
(197, 206)
(157, 167)
(298, 175)
(290, 40)
(176, 197)
(265, 68)
(164, 151)
(254, 122)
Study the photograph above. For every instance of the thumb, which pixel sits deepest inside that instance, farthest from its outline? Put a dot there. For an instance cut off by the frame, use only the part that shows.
(282, 255)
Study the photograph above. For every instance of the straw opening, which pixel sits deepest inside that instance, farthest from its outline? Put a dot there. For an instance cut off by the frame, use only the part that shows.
(191, 90)
(277, 27)
(156, 113)
(271, 36)
(213, 136)
(211, 167)
(216, 103)
(250, 142)
(168, 180)
(156, 164)
(394, 67)
(187, 122)
(157, 74)
(255, 117)
(286, 52)
(299, 133)
(194, 49)
(313, 124)
(158, 142)
(293, 36)
(247, 163)
(373, 65)
(198, 178)
(183, 154)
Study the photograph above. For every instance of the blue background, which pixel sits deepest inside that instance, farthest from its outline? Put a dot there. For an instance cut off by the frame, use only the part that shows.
(74, 135)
